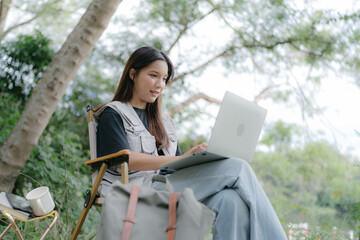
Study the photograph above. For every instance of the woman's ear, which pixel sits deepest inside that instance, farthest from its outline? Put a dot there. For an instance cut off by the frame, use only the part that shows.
(132, 74)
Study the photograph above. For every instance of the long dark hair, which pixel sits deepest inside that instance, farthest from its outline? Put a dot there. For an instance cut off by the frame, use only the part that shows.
(138, 60)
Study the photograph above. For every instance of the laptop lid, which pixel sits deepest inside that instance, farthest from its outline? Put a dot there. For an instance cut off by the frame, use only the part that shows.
(235, 133)
(237, 128)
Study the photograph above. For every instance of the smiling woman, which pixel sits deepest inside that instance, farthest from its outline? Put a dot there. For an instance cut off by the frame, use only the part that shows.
(133, 120)
(149, 82)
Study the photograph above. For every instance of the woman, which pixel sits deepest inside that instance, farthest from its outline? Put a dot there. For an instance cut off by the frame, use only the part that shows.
(133, 120)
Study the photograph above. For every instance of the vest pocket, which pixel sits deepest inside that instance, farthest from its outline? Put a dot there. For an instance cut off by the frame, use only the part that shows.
(134, 142)
(148, 144)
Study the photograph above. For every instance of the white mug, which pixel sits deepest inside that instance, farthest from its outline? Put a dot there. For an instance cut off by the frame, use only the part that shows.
(40, 201)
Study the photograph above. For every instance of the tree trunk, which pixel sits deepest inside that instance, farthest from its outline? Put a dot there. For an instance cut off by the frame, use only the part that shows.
(4, 10)
(50, 89)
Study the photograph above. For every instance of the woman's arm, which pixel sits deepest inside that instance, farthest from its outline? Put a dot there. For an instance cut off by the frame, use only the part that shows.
(142, 161)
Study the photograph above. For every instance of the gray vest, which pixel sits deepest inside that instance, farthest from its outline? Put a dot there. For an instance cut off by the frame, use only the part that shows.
(139, 138)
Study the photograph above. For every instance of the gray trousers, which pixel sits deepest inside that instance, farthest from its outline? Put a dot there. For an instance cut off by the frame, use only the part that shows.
(230, 188)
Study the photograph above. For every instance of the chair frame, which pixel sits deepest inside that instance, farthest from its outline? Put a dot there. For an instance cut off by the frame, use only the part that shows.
(101, 164)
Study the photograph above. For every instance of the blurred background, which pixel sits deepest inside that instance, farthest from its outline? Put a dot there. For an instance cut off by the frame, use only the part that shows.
(298, 59)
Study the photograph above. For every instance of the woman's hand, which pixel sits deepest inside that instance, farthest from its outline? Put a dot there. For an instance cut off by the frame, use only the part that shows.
(198, 148)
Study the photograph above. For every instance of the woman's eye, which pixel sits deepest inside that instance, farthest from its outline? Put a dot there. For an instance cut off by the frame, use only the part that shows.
(164, 79)
(153, 75)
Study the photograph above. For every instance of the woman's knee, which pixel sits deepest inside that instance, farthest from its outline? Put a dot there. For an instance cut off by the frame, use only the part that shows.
(227, 201)
(232, 214)
(235, 164)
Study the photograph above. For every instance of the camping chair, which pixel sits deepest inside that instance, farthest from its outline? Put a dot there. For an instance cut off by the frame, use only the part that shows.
(13, 219)
(98, 167)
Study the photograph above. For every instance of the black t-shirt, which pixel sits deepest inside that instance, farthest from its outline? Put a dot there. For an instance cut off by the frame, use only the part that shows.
(111, 135)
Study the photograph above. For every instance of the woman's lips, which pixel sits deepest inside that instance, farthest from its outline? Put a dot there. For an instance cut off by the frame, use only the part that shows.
(154, 93)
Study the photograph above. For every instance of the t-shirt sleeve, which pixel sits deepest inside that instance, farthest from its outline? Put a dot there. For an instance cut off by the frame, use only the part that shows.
(111, 135)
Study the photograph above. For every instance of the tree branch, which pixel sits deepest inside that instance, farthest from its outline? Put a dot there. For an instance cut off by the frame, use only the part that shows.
(192, 99)
(3, 34)
(188, 26)
(183, 75)
(218, 9)
(262, 93)
(256, 44)
(181, 33)
(311, 53)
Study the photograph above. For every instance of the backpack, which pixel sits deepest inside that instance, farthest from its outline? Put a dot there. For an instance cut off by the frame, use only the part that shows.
(141, 212)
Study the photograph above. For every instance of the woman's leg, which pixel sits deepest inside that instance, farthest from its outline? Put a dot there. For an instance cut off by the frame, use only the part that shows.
(232, 215)
(211, 178)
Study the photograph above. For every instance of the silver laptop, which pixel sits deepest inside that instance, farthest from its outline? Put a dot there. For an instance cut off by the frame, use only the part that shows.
(235, 134)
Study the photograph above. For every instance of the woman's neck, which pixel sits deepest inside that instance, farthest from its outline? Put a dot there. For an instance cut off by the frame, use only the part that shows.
(137, 104)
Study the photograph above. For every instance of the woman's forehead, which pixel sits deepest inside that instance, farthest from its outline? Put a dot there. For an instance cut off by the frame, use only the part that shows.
(158, 66)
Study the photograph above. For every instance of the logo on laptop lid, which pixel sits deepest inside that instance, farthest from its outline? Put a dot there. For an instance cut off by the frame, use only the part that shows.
(240, 129)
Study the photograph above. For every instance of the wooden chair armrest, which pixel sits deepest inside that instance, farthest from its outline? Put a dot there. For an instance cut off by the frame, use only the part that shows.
(111, 159)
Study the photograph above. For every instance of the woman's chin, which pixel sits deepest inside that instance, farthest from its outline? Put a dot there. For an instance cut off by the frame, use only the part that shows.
(152, 100)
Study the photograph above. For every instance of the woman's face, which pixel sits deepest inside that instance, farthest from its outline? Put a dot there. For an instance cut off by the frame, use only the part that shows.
(149, 83)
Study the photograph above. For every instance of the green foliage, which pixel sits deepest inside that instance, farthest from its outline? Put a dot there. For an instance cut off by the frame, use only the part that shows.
(55, 18)
(10, 109)
(190, 141)
(280, 135)
(22, 64)
(186, 12)
(57, 160)
(309, 182)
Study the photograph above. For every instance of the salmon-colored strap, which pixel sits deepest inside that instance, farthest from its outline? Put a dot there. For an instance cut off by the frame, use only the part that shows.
(172, 217)
(129, 220)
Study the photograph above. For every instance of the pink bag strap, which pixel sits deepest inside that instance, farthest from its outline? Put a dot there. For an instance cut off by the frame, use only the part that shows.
(172, 216)
(129, 219)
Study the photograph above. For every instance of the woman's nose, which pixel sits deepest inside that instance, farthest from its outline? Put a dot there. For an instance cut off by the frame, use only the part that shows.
(159, 82)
